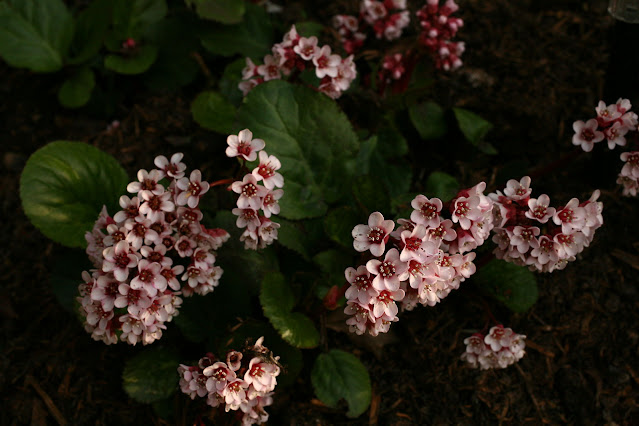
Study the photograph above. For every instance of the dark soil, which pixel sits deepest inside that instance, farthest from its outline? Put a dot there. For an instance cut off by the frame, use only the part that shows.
(531, 68)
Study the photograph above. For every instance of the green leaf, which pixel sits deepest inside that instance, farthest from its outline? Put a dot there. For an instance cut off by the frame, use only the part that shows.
(230, 80)
(35, 34)
(91, 27)
(134, 64)
(333, 263)
(67, 275)
(131, 17)
(339, 224)
(253, 37)
(151, 375)
(441, 185)
(277, 302)
(428, 119)
(224, 11)
(514, 286)
(64, 186)
(338, 375)
(178, 38)
(309, 29)
(472, 126)
(76, 90)
(310, 136)
(370, 192)
(292, 236)
(212, 111)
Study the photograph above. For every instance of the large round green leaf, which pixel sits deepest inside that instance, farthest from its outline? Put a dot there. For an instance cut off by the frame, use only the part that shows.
(151, 375)
(338, 375)
(64, 186)
(76, 90)
(311, 137)
(513, 285)
(136, 64)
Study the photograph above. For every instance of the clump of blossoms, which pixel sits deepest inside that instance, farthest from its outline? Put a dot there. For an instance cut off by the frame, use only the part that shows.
(149, 254)
(386, 18)
(256, 191)
(499, 349)
(427, 257)
(295, 54)
(438, 27)
(529, 232)
(613, 122)
(244, 381)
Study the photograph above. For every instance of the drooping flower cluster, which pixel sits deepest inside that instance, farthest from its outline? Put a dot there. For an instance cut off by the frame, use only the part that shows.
(386, 18)
(149, 254)
(245, 381)
(529, 232)
(295, 54)
(499, 349)
(425, 264)
(253, 196)
(438, 28)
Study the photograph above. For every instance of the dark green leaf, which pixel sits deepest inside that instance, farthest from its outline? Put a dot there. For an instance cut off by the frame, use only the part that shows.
(277, 301)
(211, 111)
(253, 37)
(339, 224)
(230, 81)
(67, 275)
(441, 185)
(514, 286)
(35, 34)
(151, 375)
(338, 375)
(292, 236)
(428, 119)
(131, 17)
(224, 11)
(472, 126)
(309, 29)
(370, 192)
(91, 27)
(311, 137)
(333, 263)
(76, 90)
(64, 186)
(134, 64)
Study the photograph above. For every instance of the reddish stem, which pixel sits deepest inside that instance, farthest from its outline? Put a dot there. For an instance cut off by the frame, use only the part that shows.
(221, 182)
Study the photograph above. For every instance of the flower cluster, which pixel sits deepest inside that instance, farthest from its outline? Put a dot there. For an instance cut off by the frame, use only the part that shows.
(438, 28)
(386, 18)
(530, 232)
(393, 68)
(295, 54)
(143, 252)
(613, 122)
(245, 381)
(499, 349)
(260, 230)
(426, 263)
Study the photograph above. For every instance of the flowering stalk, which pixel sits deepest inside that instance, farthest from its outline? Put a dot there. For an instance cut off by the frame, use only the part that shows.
(143, 252)
(245, 381)
(526, 235)
(499, 349)
(426, 261)
(295, 54)
(256, 197)
(438, 28)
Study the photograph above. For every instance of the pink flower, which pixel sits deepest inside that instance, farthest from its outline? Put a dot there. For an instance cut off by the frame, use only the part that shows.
(270, 205)
(243, 145)
(539, 209)
(149, 278)
(518, 190)
(325, 63)
(361, 282)
(119, 260)
(586, 134)
(373, 236)
(427, 212)
(266, 171)
(388, 273)
(219, 374)
(307, 48)
(261, 375)
(192, 189)
(251, 193)
(148, 181)
(173, 168)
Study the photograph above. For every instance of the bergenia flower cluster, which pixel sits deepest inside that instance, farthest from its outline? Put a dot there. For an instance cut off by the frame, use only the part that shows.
(424, 263)
(529, 232)
(613, 122)
(243, 381)
(386, 18)
(438, 28)
(295, 54)
(256, 191)
(149, 254)
(499, 349)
